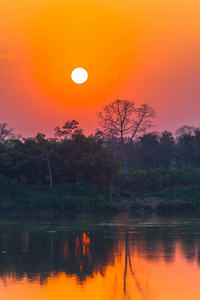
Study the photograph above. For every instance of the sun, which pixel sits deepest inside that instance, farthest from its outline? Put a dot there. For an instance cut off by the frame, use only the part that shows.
(79, 75)
(73, 38)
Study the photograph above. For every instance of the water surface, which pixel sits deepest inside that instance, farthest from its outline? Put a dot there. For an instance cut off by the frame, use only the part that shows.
(89, 256)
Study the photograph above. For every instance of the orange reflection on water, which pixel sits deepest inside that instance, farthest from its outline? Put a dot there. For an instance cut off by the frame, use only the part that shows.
(86, 245)
(132, 276)
(82, 245)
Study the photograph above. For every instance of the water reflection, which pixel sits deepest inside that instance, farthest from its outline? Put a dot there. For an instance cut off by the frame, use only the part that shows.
(40, 251)
(129, 263)
(121, 254)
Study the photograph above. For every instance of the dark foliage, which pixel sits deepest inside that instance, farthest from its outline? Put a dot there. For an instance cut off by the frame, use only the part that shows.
(156, 160)
(78, 159)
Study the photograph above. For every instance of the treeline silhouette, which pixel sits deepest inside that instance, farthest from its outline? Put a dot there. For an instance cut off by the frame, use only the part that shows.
(121, 154)
(95, 158)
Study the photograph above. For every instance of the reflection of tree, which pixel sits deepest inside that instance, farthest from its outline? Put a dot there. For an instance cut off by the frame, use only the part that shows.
(37, 254)
(38, 248)
(51, 250)
(128, 261)
(87, 253)
(156, 242)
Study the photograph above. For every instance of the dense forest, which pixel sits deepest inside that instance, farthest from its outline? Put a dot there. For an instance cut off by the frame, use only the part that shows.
(123, 153)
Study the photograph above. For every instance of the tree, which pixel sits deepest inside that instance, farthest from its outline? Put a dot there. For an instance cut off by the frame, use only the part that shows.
(185, 130)
(45, 157)
(167, 149)
(186, 145)
(122, 119)
(67, 130)
(5, 132)
(149, 150)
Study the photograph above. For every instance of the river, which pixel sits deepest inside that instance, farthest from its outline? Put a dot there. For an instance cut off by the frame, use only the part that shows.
(99, 256)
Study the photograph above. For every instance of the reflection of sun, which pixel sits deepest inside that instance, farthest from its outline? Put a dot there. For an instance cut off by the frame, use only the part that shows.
(79, 35)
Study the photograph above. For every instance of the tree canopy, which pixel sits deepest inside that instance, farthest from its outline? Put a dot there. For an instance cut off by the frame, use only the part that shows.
(123, 120)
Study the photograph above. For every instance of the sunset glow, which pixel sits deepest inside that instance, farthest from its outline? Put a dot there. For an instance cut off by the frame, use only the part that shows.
(142, 51)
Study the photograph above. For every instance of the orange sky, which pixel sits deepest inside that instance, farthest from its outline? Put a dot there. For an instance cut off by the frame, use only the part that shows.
(147, 51)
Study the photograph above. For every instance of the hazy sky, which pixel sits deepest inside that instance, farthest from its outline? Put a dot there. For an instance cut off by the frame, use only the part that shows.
(146, 51)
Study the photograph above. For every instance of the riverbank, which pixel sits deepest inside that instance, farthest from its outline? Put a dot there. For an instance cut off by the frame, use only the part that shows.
(73, 197)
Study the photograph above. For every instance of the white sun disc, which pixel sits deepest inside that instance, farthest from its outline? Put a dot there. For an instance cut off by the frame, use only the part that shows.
(79, 75)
